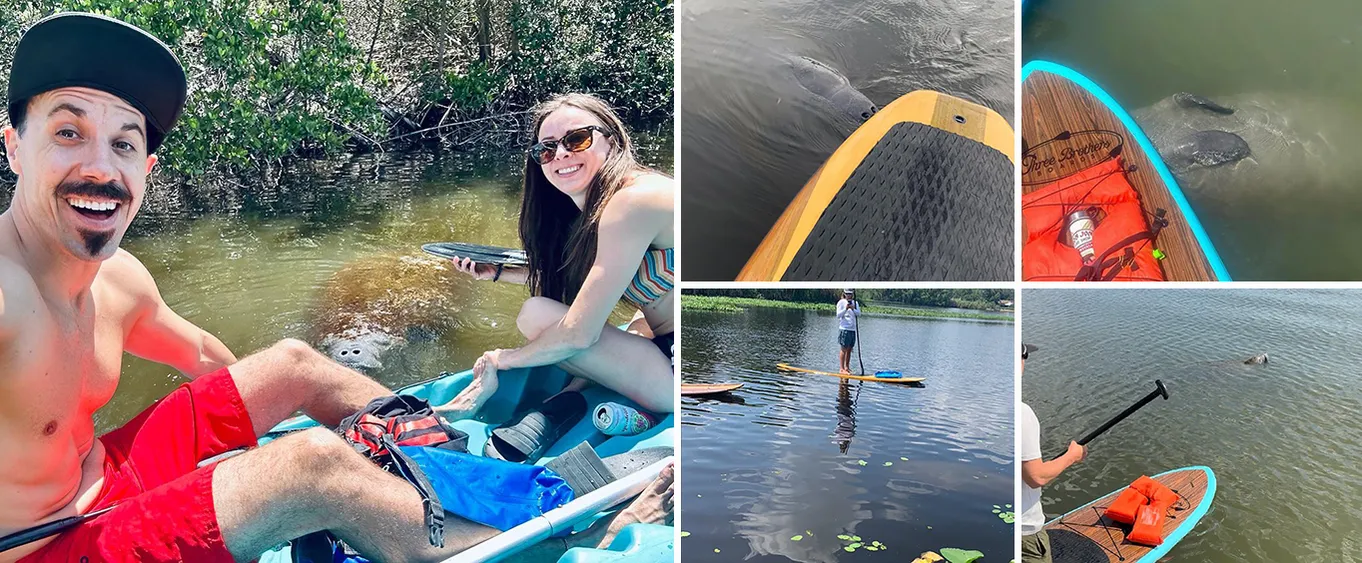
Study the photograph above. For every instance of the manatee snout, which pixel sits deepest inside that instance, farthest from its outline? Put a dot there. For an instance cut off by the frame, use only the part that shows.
(361, 353)
(1204, 149)
(825, 82)
(1259, 359)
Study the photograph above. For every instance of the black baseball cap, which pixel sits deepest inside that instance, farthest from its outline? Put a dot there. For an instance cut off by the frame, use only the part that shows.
(1027, 349)
(76, 49)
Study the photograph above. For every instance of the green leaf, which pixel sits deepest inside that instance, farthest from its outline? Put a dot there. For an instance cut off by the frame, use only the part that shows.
(955, 555)
(855, 545)
(685, 534)
(797, 538)
(888, 463)
(843, 537)
(855, 538)
(861, 461)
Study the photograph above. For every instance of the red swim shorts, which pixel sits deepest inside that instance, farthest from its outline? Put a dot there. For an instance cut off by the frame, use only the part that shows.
(164, 500)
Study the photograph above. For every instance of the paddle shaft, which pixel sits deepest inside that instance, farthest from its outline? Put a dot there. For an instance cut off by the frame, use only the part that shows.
(1161, 391)
(30, 535)
(856, 322)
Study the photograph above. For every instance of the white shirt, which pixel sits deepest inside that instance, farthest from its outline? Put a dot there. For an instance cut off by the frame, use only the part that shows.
(1032, 517)
(846, 315)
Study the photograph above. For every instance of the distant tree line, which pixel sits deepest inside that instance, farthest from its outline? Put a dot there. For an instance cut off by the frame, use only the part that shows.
(989, 299)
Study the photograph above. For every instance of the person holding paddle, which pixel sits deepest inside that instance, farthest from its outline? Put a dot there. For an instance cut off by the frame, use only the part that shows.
(1036, 473)
(847, 312)
(597, 227)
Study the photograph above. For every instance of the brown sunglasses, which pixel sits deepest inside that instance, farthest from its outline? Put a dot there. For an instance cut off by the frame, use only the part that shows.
(575, 140)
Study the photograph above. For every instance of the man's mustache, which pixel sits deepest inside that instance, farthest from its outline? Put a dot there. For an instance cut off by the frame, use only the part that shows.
(111, 190)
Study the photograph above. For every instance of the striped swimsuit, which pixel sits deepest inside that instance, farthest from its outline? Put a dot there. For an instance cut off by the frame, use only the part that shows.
(654, 279)
(656, 276)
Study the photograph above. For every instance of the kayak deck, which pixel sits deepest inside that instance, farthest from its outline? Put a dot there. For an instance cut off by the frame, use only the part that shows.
(904, 380)
(1057, 101)
(524, 386)
(1084, 535)
(920, 191)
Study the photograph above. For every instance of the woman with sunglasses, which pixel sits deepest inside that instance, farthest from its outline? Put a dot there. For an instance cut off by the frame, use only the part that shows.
(597, 227)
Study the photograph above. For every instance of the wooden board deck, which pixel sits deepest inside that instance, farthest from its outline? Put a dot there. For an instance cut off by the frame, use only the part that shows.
(788, 367)
(1053, 105)
(689, 389)
(1085, 536)
(947, 113)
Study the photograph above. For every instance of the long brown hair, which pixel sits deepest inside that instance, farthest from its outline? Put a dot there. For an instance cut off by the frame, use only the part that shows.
(559, 239)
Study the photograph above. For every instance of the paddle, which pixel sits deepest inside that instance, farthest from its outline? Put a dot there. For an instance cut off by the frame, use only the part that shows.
(30, 535)
(1159, 391)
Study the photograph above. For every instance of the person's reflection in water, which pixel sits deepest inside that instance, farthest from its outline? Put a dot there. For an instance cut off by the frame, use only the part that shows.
(846, 414)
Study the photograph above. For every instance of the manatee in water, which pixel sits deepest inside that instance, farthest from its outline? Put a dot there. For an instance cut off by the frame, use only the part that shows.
(1259, 359)
(373, 307)
(1257, 141)
(825, 82)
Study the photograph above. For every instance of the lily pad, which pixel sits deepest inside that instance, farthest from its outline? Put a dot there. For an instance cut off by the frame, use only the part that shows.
(848, 549)
(843, 537)
(901, 458)
(855, 538)
(860, 461)
(716, 550)
(888, 463)
(685, 534)
(855, 545)
(797, 538)
(955, 555)
(872, 548)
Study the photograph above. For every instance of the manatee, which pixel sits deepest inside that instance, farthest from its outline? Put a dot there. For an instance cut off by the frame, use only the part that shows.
(1259, 359)
(1205, 149)
(1256, 141)
(376, 305)
(825, 82)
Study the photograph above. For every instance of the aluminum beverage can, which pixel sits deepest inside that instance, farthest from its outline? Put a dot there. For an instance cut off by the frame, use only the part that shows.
(1080, 235)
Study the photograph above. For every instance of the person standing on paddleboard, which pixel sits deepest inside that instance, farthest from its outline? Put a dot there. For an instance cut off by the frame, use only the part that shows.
(847, 312)
(1036, 473)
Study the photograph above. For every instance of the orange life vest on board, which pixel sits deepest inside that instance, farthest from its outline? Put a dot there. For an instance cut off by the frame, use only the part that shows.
(1123, 237)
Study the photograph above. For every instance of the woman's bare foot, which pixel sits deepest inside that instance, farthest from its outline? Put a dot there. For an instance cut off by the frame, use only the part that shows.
(468, 401)
(653, 505)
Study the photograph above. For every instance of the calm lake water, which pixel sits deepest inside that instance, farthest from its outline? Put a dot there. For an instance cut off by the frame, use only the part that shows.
(751, 141)
(781, 457)
(253, 266)
(1288, 213)
(1282, 438)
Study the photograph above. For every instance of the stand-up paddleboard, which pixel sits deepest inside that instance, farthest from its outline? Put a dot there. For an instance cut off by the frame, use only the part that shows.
(920, 191)
(480, 253)
(1085, 536)
(1070, 126)
(692, 389)
(788, 367)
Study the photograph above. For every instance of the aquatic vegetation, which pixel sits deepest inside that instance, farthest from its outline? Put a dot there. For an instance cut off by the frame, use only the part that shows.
(1007, 516)
(888, 463)
(685, 534)
(955, 555)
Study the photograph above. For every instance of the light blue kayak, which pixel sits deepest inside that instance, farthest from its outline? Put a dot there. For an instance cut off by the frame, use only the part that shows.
(637, 543)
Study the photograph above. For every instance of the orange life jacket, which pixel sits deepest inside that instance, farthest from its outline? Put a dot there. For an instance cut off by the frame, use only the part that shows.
(1127, 506)
(1148, 524)
(1123, 237)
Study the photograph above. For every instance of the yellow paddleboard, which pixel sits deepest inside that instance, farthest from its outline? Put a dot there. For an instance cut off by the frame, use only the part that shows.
(789, 367)
(923, 190)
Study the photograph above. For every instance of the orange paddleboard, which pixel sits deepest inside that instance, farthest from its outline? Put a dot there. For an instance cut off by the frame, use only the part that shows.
(708, 388)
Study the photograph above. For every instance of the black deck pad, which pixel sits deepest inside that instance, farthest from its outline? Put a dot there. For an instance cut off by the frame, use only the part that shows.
(924, 205)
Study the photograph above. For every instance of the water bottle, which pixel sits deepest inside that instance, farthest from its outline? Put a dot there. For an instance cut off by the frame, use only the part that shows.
(1080, 235)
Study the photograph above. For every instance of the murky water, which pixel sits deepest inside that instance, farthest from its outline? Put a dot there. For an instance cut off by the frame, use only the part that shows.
(782, 457)
(258, 265)
(1289, 212)
(751, 139)
(1281, 437)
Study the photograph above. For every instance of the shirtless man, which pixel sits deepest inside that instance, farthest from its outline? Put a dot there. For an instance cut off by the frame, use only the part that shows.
(90, 100)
